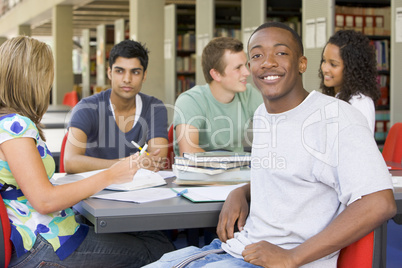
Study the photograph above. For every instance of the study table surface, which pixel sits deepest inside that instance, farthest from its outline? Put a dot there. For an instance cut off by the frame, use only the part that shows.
(173, 213)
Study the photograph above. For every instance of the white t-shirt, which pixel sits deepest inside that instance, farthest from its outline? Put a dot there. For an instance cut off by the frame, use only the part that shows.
(366, 106)
(308, 164)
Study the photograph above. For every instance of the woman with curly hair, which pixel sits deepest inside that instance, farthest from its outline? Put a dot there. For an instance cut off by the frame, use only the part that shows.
(348, 71)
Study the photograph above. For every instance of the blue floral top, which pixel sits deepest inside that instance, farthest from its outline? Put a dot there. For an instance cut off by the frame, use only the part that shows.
(59, 228)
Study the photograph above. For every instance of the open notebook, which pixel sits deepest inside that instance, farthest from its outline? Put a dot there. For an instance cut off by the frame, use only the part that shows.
(142, 179)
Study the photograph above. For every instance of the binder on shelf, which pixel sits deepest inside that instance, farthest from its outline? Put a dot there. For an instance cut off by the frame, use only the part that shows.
(368, 25)
(379, 25)
(359, 20)
(349, 22)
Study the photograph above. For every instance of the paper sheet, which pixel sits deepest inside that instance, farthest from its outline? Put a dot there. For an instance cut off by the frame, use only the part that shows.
(142, 179)
(139, 196)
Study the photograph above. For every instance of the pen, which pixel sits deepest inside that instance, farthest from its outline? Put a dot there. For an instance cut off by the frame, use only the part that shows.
(182, 192)
(144, 148)
(139, 147)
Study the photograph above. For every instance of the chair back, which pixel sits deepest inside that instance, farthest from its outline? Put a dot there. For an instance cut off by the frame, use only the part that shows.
(5, 232)
(368, 252)
(70, 98)
(63, 145)
(170, 153)
(392, 150)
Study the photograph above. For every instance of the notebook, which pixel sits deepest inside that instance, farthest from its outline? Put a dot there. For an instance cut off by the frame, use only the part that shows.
(142, 179)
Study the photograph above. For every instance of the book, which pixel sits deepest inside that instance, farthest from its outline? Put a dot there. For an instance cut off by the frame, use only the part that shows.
(206, 170)
(231, 176)
(142, 179)
(217, 165)
(218, 157)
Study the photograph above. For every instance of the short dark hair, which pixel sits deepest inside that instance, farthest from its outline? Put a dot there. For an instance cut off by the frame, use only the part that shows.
(284, 26)
(212, 55)
(129, 49)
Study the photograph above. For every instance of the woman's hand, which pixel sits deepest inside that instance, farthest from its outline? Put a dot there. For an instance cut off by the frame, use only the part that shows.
(124, 170)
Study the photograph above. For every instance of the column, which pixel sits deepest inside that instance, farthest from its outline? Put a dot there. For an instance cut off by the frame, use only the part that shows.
(101, 55)
(24, 29)
(147, 27)
(119, 30)
(204, 32)
(86, 63)
(2, 39)
(62, 31)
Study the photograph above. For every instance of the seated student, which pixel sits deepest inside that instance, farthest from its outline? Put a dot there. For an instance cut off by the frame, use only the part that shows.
(103, 126)
(327, 187)
(44, 232)
(349, 72)
(215, 116)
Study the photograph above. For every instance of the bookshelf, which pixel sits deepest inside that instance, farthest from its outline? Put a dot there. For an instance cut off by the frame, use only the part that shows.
(179, 52)
(372, 19)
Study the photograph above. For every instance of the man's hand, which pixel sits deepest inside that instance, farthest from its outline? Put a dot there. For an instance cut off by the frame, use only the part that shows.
(268, 255)
(234, 209)
(152, 161)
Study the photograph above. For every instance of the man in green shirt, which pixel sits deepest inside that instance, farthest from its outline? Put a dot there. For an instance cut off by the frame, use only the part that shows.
(216, 116)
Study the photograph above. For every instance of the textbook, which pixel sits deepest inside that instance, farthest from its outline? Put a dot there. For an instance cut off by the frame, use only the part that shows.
(231, 176)
(206, 170)
(217, 165)
(218, 157)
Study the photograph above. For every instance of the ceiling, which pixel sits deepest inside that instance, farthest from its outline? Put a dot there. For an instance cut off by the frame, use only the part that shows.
(93, 13)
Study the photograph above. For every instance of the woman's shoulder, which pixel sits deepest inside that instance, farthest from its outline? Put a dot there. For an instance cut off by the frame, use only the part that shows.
(17, 125)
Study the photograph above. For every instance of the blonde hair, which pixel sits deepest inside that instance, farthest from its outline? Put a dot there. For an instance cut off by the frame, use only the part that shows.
(26, 78)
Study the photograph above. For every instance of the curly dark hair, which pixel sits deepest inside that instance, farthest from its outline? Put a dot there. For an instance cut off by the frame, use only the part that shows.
(360, 66)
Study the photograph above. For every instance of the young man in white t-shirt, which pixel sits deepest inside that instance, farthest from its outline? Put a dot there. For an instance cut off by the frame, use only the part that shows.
(318, 180)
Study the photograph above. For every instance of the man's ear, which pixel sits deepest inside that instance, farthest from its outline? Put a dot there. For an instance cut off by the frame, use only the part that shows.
(302, 64)
(109, 73)
(144, 76)
(215, 75)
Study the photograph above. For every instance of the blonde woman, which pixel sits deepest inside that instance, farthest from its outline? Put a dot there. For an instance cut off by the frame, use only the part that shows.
(44, 229)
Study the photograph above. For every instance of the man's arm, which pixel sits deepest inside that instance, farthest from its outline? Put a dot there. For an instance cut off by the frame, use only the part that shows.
(157, 149)
(187, 137)
(356, 221)
(75, 160)
(234, 209)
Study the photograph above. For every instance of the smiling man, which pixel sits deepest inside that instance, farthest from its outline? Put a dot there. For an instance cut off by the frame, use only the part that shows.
(215, 116)
(333, 189)
(103, 126)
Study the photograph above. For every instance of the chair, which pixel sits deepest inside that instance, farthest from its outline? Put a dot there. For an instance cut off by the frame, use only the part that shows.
(392, 150)
(5, 242)
(63, 145)
(368, 252)
(70, 98)
(170, 153)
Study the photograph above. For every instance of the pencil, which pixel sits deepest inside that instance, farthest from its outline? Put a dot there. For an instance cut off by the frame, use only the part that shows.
(139, 147)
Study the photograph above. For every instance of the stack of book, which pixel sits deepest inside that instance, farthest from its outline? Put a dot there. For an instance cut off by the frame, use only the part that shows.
(212, 168)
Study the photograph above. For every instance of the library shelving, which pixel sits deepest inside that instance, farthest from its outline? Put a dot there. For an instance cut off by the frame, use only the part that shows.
(372, 18)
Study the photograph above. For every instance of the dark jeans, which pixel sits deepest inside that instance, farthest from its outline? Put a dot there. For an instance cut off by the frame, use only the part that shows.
(100, 250)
